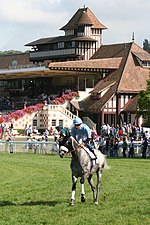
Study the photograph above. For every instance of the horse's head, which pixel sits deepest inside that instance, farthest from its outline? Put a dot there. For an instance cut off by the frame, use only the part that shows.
(63, 151)
(65, 144)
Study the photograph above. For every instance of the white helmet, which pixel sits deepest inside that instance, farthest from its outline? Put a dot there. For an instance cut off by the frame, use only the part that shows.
(77, 121)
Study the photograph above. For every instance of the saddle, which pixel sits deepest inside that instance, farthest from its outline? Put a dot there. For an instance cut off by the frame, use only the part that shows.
(92, 156)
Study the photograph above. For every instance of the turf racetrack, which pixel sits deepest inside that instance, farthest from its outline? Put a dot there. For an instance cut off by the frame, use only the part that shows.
(36, 189)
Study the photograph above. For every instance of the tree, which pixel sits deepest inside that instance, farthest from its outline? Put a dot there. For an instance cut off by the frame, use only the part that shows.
(144, 104)
(10, 52)
(146, 45)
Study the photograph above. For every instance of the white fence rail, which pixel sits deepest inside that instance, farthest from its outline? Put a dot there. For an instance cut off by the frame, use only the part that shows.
(38, 147)
(43, 147)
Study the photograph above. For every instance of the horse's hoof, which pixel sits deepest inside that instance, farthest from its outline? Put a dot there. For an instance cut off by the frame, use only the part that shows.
(71, 202)
(96, 203)
(83, 199)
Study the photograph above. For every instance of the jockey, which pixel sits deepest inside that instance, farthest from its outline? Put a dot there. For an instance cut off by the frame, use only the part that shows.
(82, 133)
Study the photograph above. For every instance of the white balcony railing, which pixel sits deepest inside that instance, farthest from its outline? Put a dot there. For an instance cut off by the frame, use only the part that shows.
(37, 54)
(66, 112)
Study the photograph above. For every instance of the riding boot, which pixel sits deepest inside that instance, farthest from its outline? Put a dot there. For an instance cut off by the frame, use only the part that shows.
(96, 160)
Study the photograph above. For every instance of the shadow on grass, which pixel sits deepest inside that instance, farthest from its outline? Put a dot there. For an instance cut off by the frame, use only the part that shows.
(6, 203)
(31, 203)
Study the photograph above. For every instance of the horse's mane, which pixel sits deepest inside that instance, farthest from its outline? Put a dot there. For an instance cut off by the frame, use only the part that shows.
(75, 144)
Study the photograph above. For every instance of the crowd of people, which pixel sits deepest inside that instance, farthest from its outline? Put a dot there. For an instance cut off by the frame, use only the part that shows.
(127, 137)
(110, 140)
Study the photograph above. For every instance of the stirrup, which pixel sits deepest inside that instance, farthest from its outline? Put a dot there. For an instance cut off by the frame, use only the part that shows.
(95, 160)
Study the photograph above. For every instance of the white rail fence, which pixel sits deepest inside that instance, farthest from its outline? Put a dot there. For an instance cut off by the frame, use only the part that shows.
(38, 147)
(51, 147)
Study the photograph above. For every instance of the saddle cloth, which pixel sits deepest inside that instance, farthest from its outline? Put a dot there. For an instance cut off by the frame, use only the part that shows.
(92, 156)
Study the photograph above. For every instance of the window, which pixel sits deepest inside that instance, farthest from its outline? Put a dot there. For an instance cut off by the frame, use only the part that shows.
(53, 123)
(129, 118)
(35, 123)
(61, 45)
(146, 64)
(61, 123)
(68, 44)
(54, 46)
(81, 28)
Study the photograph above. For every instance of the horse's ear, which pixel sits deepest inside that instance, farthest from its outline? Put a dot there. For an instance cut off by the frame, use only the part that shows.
(75, 144)
(63, 148)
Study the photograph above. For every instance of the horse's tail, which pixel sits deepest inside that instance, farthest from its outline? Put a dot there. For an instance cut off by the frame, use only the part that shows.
(105, 166)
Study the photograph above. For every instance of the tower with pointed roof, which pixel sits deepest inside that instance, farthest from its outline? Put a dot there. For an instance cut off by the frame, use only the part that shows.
(83, 36)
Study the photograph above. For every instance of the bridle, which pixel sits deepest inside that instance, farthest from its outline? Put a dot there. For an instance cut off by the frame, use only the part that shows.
(67, 144)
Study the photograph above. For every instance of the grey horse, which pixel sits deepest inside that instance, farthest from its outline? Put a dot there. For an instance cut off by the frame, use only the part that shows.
(83, 166)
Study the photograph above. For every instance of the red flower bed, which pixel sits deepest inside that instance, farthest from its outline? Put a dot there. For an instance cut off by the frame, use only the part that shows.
(30, 109)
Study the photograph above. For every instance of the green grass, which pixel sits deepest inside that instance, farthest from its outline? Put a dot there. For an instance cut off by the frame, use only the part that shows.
(36, 189)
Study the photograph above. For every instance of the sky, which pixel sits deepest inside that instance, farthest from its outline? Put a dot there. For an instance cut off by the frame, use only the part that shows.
(24, 21)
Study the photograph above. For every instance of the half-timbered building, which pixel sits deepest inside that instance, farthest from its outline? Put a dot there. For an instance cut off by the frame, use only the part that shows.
(122, 70)
(108, 78)
(83, 36)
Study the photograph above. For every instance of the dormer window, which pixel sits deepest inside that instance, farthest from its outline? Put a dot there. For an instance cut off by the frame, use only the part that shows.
(146, 64)
(96, 96)
(143, 58)
(61, 45)
(81, 28)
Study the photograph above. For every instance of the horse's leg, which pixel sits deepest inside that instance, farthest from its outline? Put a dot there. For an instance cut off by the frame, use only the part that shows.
(99, 176)
(82, 180)
(91, 183)
(74, 182)
(83, 199)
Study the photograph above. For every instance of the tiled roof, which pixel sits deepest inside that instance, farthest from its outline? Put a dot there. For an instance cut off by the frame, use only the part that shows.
(41, 41)
(85, 19)
(50, 40)
(75, 104)
(134, 76)
(143, 56)
(9, 61)
(130, 77)
(57, 39)
(84, 38)
(111, 51)
(90, 105)
(105, 84)
(83, 16)
(133, 79)
(109, 63)
(131, 105)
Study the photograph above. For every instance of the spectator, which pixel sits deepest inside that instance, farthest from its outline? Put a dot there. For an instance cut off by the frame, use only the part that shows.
(49, 101)
(111, 153)
(43, 146)
(29, 131)
(124, 146)
(120, 132)
(113, 130)
(25, 129)
(51, 131)
(56, 133)
(131, 148)
(35, 145)
(106, 146)
(116, 147)
(146, 134)
(46, 133)
(144, 147)
(101, 143)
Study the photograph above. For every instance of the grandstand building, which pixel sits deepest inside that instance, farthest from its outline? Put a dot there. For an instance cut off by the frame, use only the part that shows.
(108, 78)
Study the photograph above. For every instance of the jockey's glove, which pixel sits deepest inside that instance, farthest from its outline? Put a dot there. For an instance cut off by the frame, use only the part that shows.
(87, 141)
(82, 145)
